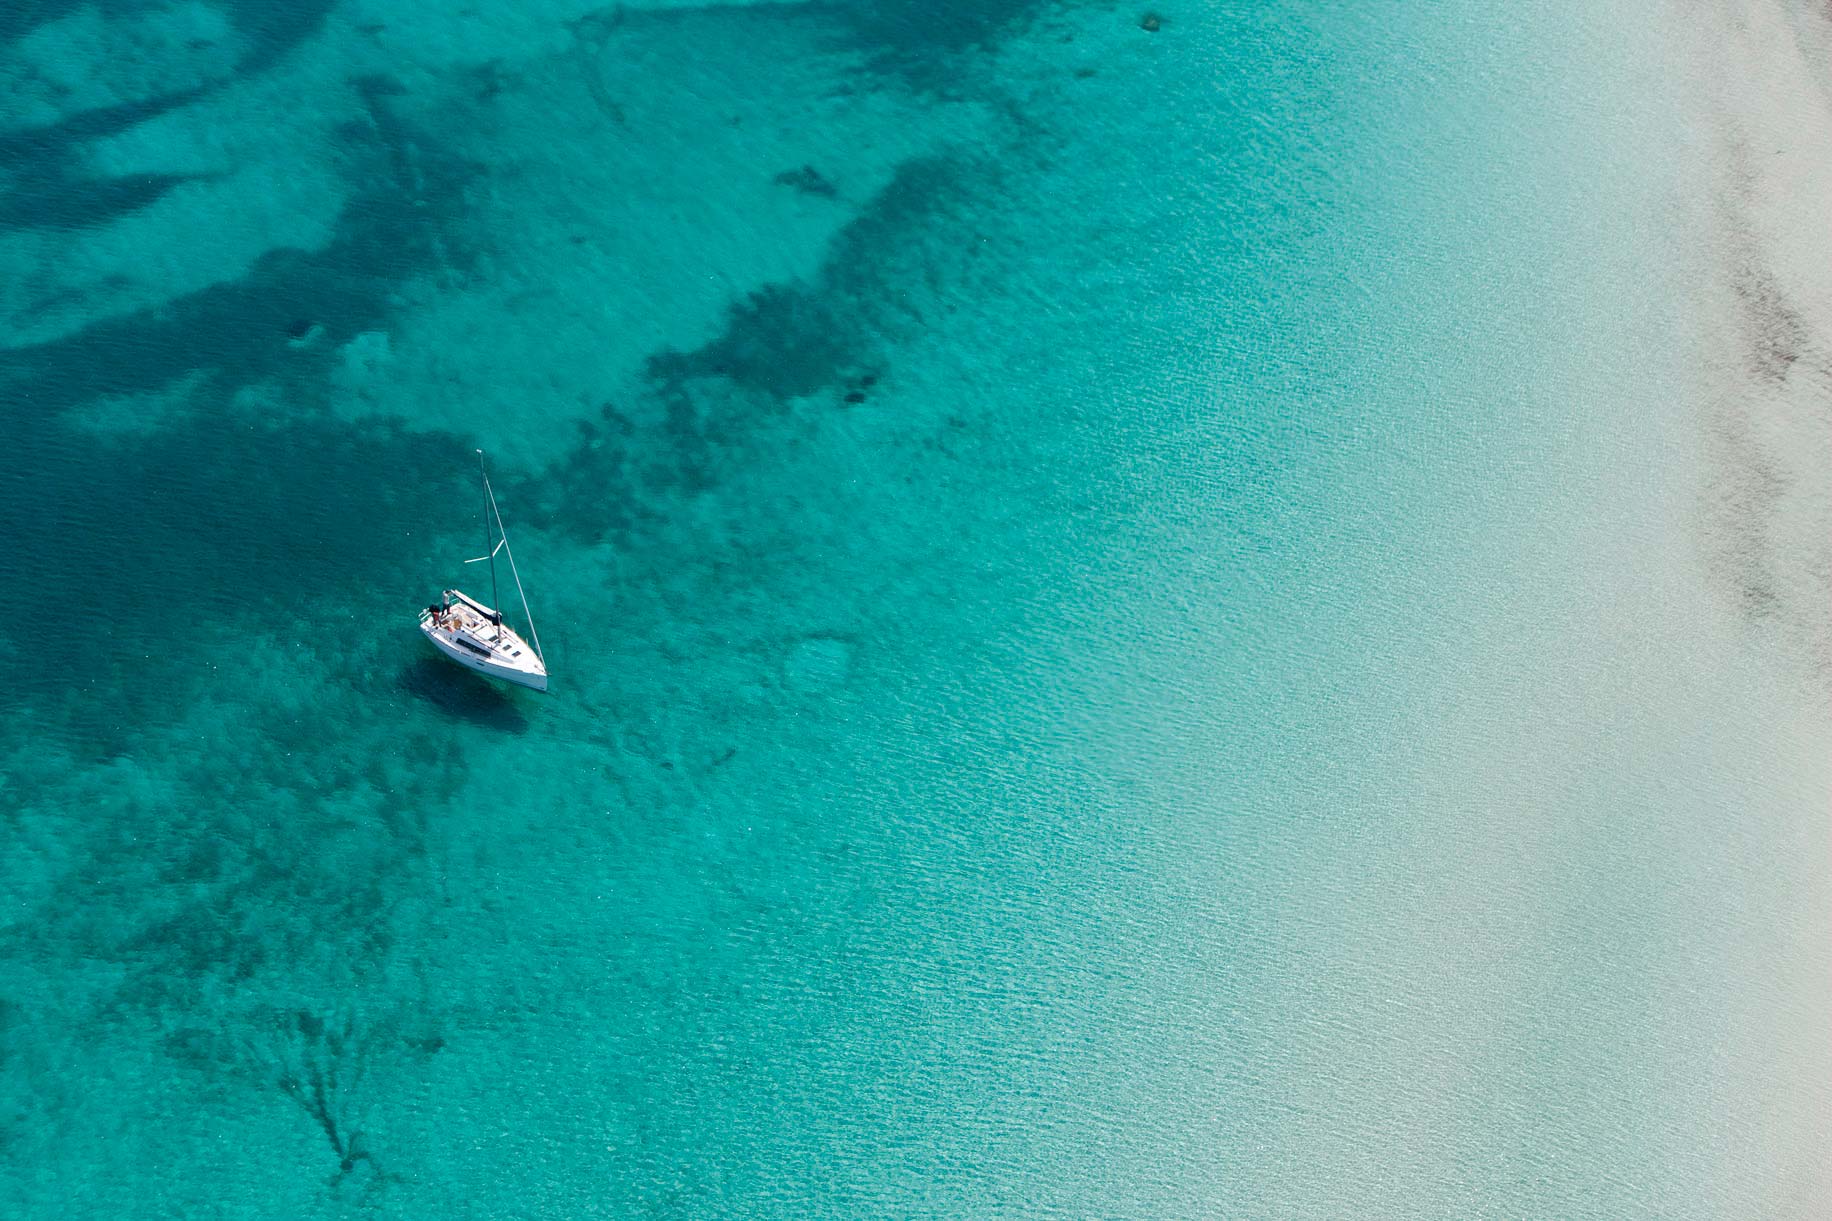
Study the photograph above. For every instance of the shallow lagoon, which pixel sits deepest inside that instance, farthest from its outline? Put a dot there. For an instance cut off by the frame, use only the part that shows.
(1131, 628)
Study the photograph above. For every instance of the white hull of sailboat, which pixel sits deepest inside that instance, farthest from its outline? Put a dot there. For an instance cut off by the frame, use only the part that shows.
(477, 643)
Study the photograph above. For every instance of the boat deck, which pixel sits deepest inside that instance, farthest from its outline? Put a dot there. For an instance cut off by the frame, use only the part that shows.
(468, 631)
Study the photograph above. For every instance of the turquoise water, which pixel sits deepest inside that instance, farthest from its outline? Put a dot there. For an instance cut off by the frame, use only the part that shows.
(1124, 636)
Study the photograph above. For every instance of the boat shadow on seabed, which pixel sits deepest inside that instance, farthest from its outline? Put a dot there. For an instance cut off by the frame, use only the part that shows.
(462, 694)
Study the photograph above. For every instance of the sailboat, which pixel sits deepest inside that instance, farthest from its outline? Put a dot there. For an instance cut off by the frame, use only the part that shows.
(474, 635)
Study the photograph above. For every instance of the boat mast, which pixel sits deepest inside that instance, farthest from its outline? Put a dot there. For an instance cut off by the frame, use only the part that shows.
(489, 543)
(509, 551)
